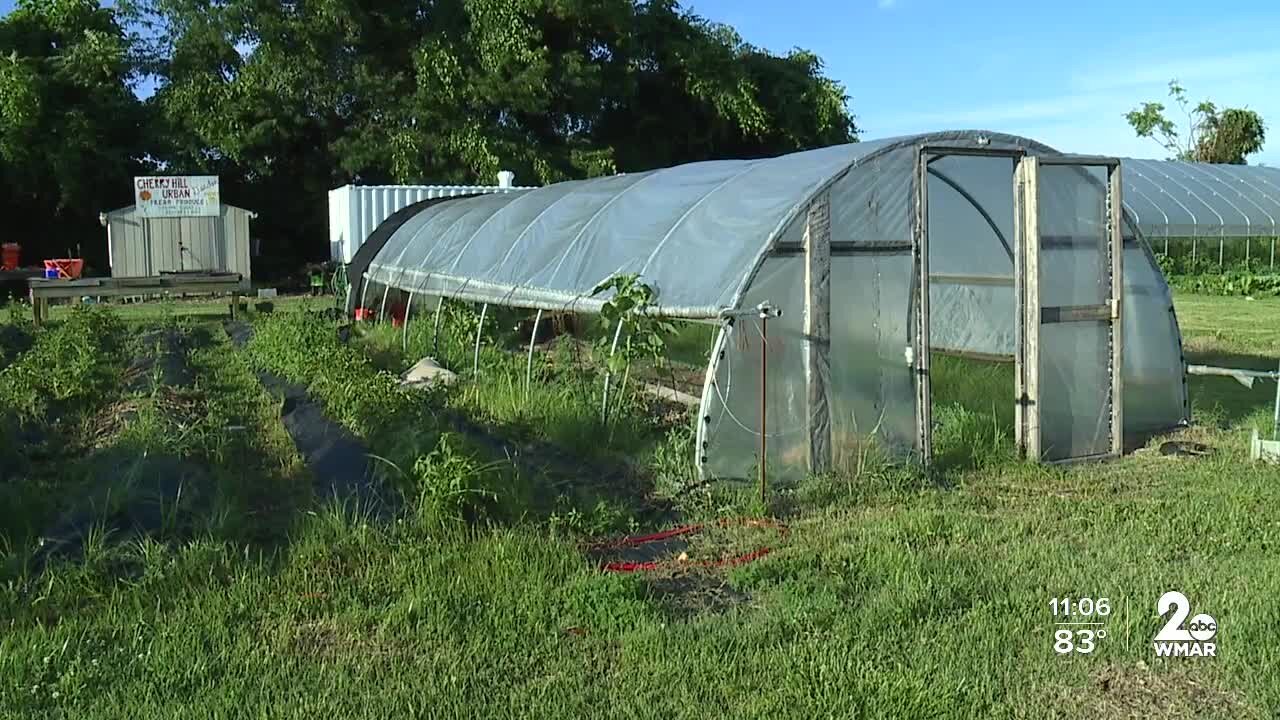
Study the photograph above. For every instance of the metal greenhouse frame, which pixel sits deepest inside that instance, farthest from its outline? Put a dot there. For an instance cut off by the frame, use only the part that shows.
(1172, 200)
(833, 274)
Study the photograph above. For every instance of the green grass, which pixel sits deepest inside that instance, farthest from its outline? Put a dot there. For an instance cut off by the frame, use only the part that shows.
(1229, 325)
(891, 595)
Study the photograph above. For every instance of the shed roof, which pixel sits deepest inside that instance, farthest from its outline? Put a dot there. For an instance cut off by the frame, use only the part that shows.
(131, 208)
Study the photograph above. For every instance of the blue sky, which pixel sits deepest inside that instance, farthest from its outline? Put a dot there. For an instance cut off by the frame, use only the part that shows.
(1063, 73)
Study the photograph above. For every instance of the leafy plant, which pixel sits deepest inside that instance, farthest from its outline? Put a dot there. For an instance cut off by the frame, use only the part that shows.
(74, 363)
(644, 333)
(1230, 283)
(450, 481)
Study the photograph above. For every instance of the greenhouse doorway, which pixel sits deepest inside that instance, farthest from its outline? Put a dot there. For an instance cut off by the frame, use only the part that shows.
(1019, 267)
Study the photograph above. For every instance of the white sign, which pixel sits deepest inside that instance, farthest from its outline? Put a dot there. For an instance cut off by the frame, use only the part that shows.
(177, 196)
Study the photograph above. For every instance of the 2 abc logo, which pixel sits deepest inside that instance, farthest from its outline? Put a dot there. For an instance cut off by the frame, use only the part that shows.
(1175, 640)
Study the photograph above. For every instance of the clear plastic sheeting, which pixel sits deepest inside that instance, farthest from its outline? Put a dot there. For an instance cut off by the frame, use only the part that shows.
(1153, 390)
(1073, 236)
(1181, 199)
(873, 203)
(1075, 400)
(869, 390)
(715, 239)
(971, 236)
(1075, 396)
(692, 231)
(973, 306)
(872, 392)
(734, 406)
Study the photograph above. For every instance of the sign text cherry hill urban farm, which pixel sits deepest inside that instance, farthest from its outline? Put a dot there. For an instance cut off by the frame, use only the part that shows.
(177, 196)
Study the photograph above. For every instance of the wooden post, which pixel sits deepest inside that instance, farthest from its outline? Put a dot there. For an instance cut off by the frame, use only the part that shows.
(1115, 208)
(817, 330)
(920, 341)
(35, 307)
(1028, 279)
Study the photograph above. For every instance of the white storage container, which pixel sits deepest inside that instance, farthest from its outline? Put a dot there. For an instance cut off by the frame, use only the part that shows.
(355, 211)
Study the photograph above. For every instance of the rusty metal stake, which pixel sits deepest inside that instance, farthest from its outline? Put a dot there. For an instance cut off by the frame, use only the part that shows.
(764, 400)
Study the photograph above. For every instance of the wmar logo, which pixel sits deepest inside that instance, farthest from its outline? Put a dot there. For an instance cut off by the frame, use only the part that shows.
(1174, 640)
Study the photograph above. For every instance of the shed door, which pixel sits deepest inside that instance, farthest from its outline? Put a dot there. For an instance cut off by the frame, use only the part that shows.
(1069, 285)
(201, 246)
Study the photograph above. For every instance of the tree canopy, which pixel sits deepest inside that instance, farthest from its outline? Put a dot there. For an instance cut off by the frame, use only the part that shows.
(285, 100)
(1213, 135)
(69, 122)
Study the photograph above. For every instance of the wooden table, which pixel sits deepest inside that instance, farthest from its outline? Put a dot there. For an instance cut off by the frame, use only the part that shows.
(42, 290)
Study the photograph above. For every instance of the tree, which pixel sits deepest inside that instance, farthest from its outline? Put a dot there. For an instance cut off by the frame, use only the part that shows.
(1213, 135)
(288, 99)
(70, 134)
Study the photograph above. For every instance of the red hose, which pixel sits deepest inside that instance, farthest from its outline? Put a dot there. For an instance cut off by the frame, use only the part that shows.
(651, 565)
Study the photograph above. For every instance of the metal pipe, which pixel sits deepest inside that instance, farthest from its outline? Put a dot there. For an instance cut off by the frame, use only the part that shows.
(1232, 372)
(435, 332)
(991, 223)
(1275, 420)
(475, 364)
(382, 309)
(528, 370)
(764, 403)
(404, 339)
(704, 414)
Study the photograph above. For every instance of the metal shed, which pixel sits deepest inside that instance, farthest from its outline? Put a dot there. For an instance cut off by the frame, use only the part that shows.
(146, 247)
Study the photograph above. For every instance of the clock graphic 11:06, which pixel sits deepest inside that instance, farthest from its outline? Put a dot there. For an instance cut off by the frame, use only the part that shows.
(1079, 623)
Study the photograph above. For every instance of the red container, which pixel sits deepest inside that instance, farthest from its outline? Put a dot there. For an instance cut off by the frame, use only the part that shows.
(364, 315)
(67, 268)
(10, 256)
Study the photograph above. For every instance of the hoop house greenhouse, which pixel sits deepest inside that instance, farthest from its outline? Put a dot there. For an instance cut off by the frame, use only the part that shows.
(834, 275)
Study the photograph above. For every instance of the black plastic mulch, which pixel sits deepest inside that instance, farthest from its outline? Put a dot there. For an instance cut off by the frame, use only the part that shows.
(339, 462)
